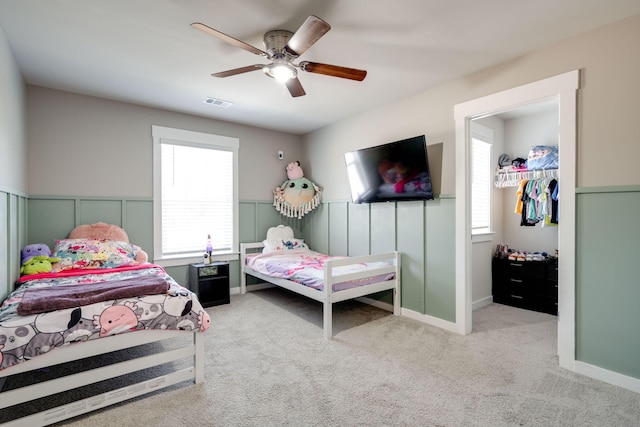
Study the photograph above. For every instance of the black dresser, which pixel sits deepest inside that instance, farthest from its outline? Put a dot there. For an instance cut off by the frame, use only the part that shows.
(532, 285)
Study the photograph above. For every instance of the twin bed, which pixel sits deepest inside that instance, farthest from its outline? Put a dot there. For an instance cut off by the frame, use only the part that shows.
(115, 307)
(285, 261)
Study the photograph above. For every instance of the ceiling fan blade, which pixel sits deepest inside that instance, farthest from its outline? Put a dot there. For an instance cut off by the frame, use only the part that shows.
(295, 87)
(333, 70)
(309, 32)
(228, 39)
(240, 70)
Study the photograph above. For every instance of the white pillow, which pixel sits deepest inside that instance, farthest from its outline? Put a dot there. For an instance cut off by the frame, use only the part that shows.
(280, 232)
(283, 244)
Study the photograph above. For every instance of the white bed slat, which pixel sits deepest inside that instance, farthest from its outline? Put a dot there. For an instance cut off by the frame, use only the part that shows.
(80, 350)
(353, 293)
(361, 275)
(90, 404)
(37, 391)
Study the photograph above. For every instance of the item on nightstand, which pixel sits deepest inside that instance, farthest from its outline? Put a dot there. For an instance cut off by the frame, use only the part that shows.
(297, 196)
(207, 258)
(36, 258)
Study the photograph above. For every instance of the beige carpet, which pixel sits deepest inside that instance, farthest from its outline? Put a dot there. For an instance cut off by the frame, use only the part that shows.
(268, 365)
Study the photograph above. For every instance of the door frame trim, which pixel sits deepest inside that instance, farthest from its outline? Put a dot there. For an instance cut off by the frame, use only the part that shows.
(564, 89)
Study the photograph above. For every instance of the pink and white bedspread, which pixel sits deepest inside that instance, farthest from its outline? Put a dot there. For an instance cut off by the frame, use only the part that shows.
(107, 302)
(306, 267)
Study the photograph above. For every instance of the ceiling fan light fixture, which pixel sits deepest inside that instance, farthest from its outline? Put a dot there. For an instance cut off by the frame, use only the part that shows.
(282, 71)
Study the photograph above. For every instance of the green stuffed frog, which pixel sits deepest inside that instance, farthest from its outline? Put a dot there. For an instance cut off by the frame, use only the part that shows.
(36, 258)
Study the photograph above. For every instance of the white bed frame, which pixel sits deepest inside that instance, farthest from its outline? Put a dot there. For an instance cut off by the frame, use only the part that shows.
(327, 296)
(192, 349)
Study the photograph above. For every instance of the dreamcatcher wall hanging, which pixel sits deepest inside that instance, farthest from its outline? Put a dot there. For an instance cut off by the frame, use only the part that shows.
(297, 196)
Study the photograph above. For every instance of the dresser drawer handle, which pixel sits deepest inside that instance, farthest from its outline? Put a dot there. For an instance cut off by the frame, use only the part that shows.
(515, 265)
(516, 280)
(517, 296)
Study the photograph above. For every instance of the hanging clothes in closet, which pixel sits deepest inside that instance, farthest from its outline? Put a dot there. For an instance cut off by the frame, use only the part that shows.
(537, 201)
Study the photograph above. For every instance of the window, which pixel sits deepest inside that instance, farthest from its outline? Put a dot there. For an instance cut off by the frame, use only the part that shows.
(195, 195)
(481, 148)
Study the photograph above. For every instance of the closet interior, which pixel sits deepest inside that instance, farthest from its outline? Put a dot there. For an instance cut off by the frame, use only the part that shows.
(522, 268)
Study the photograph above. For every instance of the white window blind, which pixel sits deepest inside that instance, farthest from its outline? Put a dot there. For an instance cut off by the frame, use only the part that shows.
(195, 193)
(197, 197)
(480, 185)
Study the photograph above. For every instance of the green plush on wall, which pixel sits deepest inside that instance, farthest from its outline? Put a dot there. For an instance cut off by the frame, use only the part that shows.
(298, 195)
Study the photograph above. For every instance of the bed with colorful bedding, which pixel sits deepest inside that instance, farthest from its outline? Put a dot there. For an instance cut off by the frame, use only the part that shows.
(95, 301)
(285, 261)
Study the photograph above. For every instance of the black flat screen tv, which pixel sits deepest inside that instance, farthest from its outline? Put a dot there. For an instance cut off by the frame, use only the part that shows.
(396, 171)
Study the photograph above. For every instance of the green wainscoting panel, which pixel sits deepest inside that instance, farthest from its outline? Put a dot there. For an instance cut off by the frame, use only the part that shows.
(359, 231)
(422, 232)
(180, 273)
(6, 280)
(411, 243)
(13, 237)
(338, 228)
(247, 222)
(440, 292)
(109, 211)
(21, 222)
(15, 211)
(383, 227)
(50, 219)
(608, 281)
(316, 229)
(268, 217)
(138, 222)
(234, 274)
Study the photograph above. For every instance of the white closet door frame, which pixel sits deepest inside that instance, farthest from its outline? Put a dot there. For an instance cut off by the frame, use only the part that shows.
(562, 88)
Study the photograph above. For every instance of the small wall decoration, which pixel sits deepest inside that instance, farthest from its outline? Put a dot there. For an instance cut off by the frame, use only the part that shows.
(297, 196)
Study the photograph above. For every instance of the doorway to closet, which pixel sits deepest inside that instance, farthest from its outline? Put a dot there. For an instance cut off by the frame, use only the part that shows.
(562, 90)
(500, 220)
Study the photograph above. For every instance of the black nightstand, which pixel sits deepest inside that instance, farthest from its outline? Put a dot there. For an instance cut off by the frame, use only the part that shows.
(210, 282)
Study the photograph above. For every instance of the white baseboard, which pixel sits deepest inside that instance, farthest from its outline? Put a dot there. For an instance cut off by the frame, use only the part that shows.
(376, 303)
(482, 303)
(607, 376)
(430, 320)
(258, 286)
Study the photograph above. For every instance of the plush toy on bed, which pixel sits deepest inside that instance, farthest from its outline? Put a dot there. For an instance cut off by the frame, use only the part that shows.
(103, 231)
(297, 195)
(36, 258)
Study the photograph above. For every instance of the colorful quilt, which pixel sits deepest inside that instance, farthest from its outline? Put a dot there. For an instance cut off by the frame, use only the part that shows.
(306, 267)
(173, 307)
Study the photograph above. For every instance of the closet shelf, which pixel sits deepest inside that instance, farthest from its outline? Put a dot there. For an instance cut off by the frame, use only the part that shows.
(513, 178)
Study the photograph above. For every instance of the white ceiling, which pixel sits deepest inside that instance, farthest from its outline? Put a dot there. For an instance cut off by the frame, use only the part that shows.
(145, 52)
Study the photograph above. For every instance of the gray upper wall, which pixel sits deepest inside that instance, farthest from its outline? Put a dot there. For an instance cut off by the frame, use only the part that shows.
(13, 142)
(69, 135)
(608, 111)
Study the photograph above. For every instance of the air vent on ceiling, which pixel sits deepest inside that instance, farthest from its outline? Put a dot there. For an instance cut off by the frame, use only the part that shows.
(218, 102)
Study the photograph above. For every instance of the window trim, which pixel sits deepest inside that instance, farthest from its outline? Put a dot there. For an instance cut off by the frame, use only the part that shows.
(161, 135)
(484, 134)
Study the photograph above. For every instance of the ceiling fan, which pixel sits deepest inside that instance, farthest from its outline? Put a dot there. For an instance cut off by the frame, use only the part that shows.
(282, 48)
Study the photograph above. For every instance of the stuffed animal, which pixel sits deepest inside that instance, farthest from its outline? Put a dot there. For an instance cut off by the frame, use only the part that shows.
(103, 231)
(297, 195)
(36, 258)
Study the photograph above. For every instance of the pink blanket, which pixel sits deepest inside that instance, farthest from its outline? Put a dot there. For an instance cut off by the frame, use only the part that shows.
(41, 300)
